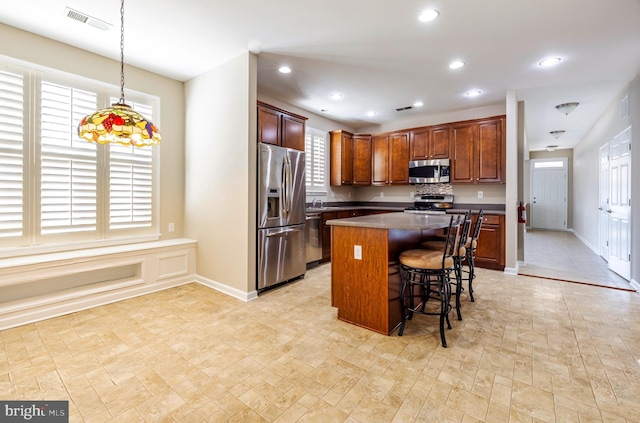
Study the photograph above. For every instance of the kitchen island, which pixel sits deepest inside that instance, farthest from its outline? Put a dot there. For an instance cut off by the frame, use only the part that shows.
(365, 276)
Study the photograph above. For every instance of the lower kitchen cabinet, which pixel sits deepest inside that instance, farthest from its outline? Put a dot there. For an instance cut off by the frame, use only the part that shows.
(491, 250)
(326, 235)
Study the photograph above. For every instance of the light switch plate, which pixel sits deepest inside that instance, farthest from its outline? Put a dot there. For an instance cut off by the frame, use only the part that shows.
(480, 194)
(357, 252)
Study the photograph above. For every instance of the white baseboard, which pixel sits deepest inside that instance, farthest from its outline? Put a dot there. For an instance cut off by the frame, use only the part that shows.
(511, 270)
(227, 290)
(39, 287)
(585, 242)
(37, 313)
(635, 285)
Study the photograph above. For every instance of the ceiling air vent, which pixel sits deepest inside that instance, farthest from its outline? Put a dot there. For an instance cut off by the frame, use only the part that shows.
(400, 109)
(86, 19)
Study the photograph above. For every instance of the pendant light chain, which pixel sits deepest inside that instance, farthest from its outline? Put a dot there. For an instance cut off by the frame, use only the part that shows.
(119, 123)
(121, 52)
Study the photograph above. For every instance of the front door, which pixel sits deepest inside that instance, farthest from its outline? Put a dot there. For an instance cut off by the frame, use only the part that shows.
(620, 199)
(549, 194)
(603, 207)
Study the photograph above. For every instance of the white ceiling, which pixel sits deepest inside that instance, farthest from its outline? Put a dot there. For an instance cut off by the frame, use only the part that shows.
(376, 52)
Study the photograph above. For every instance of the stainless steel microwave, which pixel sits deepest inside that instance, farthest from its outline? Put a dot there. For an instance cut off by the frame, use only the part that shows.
(429, 171)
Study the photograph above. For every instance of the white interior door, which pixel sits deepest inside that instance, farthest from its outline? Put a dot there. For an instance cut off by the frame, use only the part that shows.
(549, 194)
(620, 204)
(603, 207)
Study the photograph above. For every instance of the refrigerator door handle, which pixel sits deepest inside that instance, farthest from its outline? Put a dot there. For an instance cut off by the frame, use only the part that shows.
(283, 232)
(283, 187)
(289, 185)
(286, 185)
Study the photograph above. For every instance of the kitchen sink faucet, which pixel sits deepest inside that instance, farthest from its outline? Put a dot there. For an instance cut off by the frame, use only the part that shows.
(315, 202)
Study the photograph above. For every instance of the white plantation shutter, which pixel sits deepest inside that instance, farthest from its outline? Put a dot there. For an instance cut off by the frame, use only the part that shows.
(131, 182)
(58, 189)
(315, 149)
(68, 164)
(11, 153)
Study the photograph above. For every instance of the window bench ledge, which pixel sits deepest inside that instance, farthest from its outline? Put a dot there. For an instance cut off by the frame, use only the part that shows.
(40, 286)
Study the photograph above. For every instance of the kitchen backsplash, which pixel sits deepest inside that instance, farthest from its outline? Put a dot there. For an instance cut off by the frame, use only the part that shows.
(438, 189)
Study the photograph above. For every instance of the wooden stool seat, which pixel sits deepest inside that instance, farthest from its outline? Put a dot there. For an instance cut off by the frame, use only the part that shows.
(425, 259)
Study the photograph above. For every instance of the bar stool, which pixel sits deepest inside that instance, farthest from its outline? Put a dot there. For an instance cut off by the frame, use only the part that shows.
(472, 245)
(426, 277)
(459, 255)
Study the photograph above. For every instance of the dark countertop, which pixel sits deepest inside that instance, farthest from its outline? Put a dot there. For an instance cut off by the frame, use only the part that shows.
(497, 209)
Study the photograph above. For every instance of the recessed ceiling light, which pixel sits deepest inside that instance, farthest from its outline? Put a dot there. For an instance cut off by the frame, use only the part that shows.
(550, 61)
(473, 93)
(418, 104)
(371, 113)
(284, 69)
(456, 65)
(428, 15)
(336, 96)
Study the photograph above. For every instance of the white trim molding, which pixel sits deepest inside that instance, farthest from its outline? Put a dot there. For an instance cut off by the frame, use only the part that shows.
(38, 287)
(227, 290)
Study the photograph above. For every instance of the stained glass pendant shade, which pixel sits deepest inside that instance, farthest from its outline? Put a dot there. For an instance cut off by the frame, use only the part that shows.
(119, 123)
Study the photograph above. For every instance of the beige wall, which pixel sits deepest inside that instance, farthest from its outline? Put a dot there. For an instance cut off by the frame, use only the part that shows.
(221, 171)
(34, 49)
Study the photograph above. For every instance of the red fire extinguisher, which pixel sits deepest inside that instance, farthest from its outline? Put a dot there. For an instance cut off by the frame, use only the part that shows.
(522, 213)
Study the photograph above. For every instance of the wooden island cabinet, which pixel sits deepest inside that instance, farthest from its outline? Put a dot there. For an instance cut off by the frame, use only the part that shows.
(365, 278)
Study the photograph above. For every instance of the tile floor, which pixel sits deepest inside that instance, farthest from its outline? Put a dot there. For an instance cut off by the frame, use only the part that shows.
(528, 350)
(562, 255)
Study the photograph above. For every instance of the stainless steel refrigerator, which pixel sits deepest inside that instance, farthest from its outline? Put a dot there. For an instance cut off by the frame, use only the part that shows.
(281, 215)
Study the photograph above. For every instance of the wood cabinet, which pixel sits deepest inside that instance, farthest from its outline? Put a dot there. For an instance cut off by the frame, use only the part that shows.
(430, 142)
(326, 235)
(326, 229)
(390, 158)
(350, 159)
(491, 244)
(478, 151)
(362, 159)
(341, 162)
(279, 127)
(380, 160)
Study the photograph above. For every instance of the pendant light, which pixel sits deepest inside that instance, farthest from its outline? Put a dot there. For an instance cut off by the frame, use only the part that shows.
(119, 123)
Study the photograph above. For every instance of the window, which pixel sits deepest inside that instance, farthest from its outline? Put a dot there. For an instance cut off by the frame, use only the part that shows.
(57, 188)
(316, 148)
(541, 164)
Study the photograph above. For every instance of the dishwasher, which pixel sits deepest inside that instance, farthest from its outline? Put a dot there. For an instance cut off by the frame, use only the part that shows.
(313, 234)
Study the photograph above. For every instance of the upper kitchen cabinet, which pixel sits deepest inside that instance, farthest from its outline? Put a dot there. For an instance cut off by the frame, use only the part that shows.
(279, 127)
(362, 159)
(430, 143)
(341, 161)
(350, 159)
(478, 151)
(390, 158)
